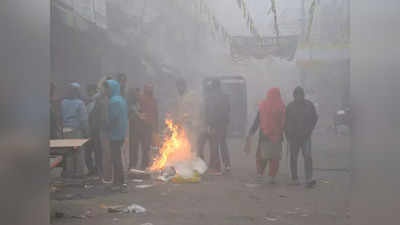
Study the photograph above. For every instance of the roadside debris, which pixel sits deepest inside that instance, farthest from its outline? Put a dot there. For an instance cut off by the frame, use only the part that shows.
(184, 172)
(88, 186)
(324, 181)
(134, 208)
(252, 185)
(137, 180)
(112, 209)
(272, 219)
(181, 180)
(143, 186)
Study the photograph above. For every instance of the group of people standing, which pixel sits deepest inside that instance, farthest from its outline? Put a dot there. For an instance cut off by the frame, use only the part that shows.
(106, 118)
(111, 112)
(296, 122)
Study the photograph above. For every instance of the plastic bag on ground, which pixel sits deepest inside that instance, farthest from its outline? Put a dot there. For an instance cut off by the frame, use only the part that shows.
(199, 165)
(134, 208)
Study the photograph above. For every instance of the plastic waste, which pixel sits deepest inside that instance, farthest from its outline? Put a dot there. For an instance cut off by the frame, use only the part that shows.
(184, 169)
(142, 186)
(137, 180)
(199, 165)
(112, 208)
(252, 185)
(134, 208)
(181, 180)
(272, 219)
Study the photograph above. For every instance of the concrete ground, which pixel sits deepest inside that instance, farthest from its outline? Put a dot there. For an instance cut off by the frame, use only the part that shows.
(229, 199)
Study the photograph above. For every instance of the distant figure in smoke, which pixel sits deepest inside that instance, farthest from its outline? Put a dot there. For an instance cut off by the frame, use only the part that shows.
(118, 125)
(149, 116)
(301, 120)
(94, 145)
(217, 119)
(271, 121)
(188, 111)
(75, 125)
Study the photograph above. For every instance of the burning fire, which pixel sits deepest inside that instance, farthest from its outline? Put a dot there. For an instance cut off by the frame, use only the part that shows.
(176, 148)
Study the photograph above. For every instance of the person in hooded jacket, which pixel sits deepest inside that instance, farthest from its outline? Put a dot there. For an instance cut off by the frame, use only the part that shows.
(117, 125)
(301, 120)
(75, 125)
(271, 121)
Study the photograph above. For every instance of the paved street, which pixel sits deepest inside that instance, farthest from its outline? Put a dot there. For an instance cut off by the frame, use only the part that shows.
(231, 199)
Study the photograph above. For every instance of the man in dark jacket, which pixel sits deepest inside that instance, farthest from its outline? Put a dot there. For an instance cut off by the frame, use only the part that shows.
(217, 119)
(94, 145)
(301, 118)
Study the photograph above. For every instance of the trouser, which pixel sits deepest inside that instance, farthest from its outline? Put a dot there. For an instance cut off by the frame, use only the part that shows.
(118, 171)
(74, 165)
(294, 154)
(142, 137)
(133, 143)
(218, 144)
(201, 142)
(107, 162)
(262, 163)
(94, 147)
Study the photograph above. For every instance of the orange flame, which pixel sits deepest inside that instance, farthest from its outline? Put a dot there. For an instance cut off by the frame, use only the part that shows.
(176, 148)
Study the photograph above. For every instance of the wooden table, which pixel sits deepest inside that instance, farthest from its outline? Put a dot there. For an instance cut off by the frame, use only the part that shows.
(65, 146)
(59, 148)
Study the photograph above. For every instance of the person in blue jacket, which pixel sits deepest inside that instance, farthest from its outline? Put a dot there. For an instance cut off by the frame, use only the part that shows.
(75, 125)
(117, 125)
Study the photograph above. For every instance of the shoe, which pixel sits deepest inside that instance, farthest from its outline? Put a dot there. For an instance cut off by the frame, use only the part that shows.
(272, 180)
(106, 181)
(259, 179)
(311, 184)
(214, 172)
(227, 169)
(123, 188)
(294, 183)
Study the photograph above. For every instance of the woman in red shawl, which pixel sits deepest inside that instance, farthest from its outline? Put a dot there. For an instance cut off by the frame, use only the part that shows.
(271, 121)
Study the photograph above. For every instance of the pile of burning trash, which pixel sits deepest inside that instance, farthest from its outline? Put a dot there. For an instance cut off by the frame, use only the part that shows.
(175, 161)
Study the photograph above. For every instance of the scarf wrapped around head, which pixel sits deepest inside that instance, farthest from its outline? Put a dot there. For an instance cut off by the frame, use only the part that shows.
(272, 115)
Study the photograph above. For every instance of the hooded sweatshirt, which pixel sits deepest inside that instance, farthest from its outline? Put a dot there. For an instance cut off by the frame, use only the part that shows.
(301, 118)
(74, 111)
(118, 113)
